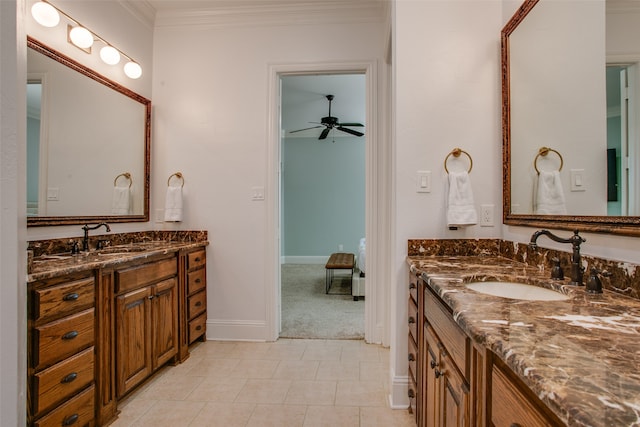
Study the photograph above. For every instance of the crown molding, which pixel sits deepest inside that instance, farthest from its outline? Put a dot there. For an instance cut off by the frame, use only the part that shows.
(274, 13)
(141, 10)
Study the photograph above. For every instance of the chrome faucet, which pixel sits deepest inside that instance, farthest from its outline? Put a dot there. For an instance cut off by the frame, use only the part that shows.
(577, 270)
(86, 228)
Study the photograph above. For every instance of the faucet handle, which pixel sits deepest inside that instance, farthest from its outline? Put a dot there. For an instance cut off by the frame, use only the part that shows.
(556, 271)
(594, 284)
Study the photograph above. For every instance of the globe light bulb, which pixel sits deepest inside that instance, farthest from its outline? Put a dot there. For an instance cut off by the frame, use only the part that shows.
(81, 37)
(110, 55)
(45, 14)
(132, 70)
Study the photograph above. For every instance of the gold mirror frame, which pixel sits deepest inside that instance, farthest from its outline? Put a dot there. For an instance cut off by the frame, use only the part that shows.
(622, 225)
(39, 221)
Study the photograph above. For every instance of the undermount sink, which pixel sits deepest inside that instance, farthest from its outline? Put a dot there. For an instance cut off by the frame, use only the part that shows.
(515, 290)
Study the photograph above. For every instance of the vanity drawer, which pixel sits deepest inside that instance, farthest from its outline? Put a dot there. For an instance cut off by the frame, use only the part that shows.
(413, 359)
(78, 411)
(61, 338)
(413, 287)
(135, 277)
(196, 280)
(197, 327)
(62, 299)
(413, 319)
(60, 381)
(441, 320)
(196, 259)
(197, 304)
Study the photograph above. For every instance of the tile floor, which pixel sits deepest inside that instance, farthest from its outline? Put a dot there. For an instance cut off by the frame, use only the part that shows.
(284, 383)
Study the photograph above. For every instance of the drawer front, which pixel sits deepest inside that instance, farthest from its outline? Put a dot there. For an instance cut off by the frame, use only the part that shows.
(196, 280)
(510, 407)
(413, 287)
(135, 277)
(441, 320)
(59, 339)
(197, 304)
(413, 359)
(63, 379)
(196, 259)
(78, 411)
(56, 301)
(413, 398)
(197, 327)
(413, 319)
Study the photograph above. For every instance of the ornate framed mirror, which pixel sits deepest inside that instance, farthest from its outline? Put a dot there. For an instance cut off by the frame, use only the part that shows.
(88, 148)
(571, 151)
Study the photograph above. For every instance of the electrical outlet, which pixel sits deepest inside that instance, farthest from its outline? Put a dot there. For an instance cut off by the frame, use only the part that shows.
(486, 215)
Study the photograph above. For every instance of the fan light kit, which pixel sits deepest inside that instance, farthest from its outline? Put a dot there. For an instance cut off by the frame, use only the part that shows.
(329, 122)
(80, 36)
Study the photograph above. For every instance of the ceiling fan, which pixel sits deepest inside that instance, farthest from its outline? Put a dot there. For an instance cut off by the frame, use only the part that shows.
(331, 122)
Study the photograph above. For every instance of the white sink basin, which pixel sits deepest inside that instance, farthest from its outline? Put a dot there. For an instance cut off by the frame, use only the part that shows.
(515, 290)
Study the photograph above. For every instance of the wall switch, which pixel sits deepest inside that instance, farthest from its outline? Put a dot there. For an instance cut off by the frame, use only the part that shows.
(257, 193)
(423, 182)
(578, 182)
(341, 248)
(486, 215)
(53, 194)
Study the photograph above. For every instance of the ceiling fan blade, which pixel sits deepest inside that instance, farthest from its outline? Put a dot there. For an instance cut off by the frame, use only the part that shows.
(300, 130)
(351, 131)
(324, 133)
(351, 124)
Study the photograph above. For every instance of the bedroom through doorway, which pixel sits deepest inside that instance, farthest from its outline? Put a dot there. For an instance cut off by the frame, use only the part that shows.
(322, 204)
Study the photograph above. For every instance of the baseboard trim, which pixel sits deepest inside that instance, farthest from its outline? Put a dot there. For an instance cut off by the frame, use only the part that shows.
(305, 259)
(398, 398)
(236, 330)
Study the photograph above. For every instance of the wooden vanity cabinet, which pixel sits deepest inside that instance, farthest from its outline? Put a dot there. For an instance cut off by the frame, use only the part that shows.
(193, 299)
(61, 357)
(146, 320)
(414, 341)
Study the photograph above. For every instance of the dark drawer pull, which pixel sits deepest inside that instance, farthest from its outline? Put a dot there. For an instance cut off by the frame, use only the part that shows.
(72, 376)
(70, 297)
(433, 364)
(198, 304)
(198, 259)
(70, 335)
(411, 394)
(71, 419)
(198, 280)
(412, 285)
(438, 373)
(515, 425)
(198, 327)
(411, 357)
(411, 320)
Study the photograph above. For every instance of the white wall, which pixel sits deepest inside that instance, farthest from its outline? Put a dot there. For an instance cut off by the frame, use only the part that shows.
(211, 123)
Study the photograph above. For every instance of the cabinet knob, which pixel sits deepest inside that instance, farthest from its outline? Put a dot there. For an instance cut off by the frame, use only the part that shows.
(411, 357)
(411, 320)
(71, 419)
(67, 379)
(70, 297)
(438, 373)
(198, 304)
(412, 285)
(198, 327)
(198, 280)
(198, 259)
(515, 425)
(411, 393)
(70, 335)
(433, 364)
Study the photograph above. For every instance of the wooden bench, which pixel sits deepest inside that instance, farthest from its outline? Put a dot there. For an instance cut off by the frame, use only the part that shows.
(339, 261)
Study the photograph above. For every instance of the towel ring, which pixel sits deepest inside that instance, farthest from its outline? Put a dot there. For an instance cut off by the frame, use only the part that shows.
(543, 151)
(124, 174)
(456, 153)
(177, 175)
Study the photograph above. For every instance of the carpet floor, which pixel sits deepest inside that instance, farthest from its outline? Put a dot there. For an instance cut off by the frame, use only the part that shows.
(307, 312)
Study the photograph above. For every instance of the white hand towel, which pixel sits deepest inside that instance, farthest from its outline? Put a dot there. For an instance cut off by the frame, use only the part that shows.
(460, 210)
(173, 204)
(549, 195)
(121, 201)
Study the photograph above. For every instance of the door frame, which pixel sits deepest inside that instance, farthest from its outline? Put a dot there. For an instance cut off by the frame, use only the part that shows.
(374, 318)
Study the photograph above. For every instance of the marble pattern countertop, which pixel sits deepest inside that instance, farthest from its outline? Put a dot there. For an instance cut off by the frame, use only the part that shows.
(580, 356)
(46, 266)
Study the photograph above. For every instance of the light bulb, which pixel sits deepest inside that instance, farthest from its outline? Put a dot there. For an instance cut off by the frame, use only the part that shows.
(110, 55)
(81, 37)
(45, 14)
(132, 70)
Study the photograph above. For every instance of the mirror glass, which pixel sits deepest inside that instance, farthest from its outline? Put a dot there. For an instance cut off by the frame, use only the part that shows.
(88, 141)
(570, 117)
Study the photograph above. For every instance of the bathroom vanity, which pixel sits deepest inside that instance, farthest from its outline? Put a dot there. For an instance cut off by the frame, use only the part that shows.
(101, 322)
(477, 359)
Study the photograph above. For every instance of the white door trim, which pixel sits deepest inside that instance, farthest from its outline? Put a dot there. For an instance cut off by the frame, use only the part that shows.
(374, 315)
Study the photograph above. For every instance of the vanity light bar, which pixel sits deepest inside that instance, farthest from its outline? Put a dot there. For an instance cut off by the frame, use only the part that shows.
(48, 15)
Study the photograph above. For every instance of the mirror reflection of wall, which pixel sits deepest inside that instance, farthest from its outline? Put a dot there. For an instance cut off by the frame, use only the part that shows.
(34, 99)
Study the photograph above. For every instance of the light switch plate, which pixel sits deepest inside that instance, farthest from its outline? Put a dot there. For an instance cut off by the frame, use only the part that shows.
(257, 194)
(578, 180)
(423, 181)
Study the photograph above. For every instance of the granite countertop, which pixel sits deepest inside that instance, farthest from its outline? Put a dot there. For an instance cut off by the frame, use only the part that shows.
(580, 356)
(52, 265)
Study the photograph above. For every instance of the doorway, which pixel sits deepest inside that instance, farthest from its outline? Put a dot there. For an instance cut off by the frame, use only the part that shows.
(322, 203)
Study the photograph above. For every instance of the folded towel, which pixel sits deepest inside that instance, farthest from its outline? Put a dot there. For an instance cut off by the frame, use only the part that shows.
(460, 210)
(121, 201)
(173, 204)
(549, 198)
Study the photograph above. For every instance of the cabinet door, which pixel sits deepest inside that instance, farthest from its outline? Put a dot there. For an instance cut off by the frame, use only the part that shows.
(133, 339)
(431, 372)
(165, 321)
(454, 400)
